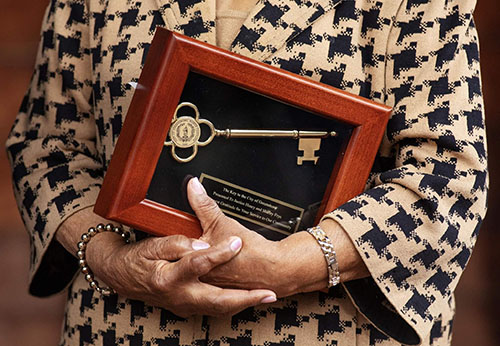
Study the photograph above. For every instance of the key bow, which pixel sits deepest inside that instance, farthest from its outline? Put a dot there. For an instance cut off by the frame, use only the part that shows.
(185, 132)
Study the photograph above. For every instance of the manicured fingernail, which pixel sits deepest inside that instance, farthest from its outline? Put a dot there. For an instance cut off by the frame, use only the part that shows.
(197, 187)
(236, 244)
(269, 299)
(199, 245)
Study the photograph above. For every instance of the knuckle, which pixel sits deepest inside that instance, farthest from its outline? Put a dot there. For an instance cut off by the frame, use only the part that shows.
(147, 248)
(200, 264)
(178, 238)
(158, 280)
(209, 207)
(180, 241)
(171, 247)
(212, 223)
(156, 248)
(208, 204)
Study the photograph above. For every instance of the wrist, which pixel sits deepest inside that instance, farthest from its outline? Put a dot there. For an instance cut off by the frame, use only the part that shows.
(326, 246)
(70, 231)
(101, 248)
(101, 254)
(350, 263)
(302, 264)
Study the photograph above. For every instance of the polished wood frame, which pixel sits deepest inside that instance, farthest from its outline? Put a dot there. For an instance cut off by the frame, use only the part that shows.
(171, 57)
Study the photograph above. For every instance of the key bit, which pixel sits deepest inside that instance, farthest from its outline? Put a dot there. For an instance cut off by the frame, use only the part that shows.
(309, 147)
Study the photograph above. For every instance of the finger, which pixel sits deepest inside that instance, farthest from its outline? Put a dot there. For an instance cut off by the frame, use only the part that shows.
(202, 262)
(173, 248)
(206, 209)
(232, 301)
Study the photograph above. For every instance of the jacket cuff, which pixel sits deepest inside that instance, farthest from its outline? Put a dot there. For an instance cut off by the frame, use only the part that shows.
(371, 297)
(52, 266)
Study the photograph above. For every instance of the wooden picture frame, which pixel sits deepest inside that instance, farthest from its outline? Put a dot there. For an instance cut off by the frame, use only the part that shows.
(170, 59)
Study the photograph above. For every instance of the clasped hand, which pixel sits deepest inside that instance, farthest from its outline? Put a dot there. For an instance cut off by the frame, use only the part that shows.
(189, 276)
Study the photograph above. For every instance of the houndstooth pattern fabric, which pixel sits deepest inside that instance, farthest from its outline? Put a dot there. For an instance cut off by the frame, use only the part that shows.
(415, 226)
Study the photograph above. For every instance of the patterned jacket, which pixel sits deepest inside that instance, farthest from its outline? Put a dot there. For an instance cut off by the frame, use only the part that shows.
(415, 226)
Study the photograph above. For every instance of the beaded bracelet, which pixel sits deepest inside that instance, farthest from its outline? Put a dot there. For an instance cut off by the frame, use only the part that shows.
(82, 246)
(326, 246)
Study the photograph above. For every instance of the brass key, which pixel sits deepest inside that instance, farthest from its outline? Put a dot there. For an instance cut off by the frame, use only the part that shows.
(185, 132)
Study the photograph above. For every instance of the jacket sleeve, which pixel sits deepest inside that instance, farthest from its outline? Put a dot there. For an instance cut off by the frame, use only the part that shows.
(416, 225)
(52, 145)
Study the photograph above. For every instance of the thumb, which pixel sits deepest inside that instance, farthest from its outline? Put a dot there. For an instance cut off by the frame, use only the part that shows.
(206, 209)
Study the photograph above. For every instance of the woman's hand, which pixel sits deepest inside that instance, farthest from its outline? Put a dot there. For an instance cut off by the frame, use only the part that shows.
(258, 265)
(165, 271)
(293, 265)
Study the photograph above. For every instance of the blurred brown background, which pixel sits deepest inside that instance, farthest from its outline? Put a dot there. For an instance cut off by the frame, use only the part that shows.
(27, 321)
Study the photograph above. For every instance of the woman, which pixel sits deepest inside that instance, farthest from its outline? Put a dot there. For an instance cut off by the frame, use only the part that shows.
(401, 246)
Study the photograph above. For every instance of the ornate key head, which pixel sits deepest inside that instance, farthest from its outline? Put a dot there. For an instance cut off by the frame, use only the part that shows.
(185, 132)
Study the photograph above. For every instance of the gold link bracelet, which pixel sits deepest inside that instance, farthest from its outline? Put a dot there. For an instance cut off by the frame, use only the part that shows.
(326, 246)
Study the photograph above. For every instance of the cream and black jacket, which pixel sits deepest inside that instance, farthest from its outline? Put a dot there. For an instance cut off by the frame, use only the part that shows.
(415, 226)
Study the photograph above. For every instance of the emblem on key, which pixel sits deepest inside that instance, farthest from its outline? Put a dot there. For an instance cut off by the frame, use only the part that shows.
(185, 133)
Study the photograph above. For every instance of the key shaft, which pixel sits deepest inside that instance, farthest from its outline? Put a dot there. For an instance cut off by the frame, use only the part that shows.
(295, 134)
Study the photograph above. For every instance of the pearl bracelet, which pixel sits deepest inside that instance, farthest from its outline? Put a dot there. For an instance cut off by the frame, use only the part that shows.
(326, 246)
(82, 247)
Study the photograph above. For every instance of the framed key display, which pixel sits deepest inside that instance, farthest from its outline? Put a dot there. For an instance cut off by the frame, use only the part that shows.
(275, 151)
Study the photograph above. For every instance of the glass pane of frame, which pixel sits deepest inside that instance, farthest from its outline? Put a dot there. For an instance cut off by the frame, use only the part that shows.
(274, 186)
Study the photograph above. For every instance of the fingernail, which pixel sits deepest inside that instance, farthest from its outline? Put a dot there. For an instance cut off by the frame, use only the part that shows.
(197, 187)
(269, 299)
(199, 245)
(236, 244)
